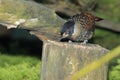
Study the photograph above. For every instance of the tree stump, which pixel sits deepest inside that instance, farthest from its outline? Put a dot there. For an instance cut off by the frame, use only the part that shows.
(61, 60)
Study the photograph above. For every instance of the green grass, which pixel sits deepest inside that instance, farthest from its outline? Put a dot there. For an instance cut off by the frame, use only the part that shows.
(19, 68)
(114, 70)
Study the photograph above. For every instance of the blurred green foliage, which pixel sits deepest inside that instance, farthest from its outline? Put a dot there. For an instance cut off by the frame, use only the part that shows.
(109, 9)
(19, 68)
(114, 70)
(106, 38)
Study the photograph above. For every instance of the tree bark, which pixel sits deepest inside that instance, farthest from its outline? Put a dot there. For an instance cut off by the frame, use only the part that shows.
(62, 60)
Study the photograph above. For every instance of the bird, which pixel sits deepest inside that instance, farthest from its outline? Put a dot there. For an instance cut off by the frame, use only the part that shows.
(79, 28)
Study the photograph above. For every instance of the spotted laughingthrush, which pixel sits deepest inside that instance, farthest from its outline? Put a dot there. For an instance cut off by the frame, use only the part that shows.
(79, 28)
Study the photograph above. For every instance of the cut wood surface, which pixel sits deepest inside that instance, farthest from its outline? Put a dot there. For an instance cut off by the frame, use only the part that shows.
(61, 60)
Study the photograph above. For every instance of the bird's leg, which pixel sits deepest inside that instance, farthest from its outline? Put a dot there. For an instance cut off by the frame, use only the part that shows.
(85, 41)
(69, 41)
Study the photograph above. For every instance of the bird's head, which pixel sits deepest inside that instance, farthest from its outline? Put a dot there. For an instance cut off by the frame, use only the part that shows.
(86, 19)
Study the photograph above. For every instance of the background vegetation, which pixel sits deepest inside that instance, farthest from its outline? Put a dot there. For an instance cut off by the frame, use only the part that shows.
(109, 10)
(15, 65)
(19, 67)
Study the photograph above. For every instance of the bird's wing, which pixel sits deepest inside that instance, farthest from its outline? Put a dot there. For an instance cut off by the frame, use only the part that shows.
(68, 28)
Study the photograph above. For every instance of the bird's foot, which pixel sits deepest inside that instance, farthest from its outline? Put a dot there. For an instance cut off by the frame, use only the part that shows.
(69, 41)
(84, 42)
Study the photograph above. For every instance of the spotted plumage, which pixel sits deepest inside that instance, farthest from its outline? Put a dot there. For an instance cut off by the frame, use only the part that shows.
(79, 28)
